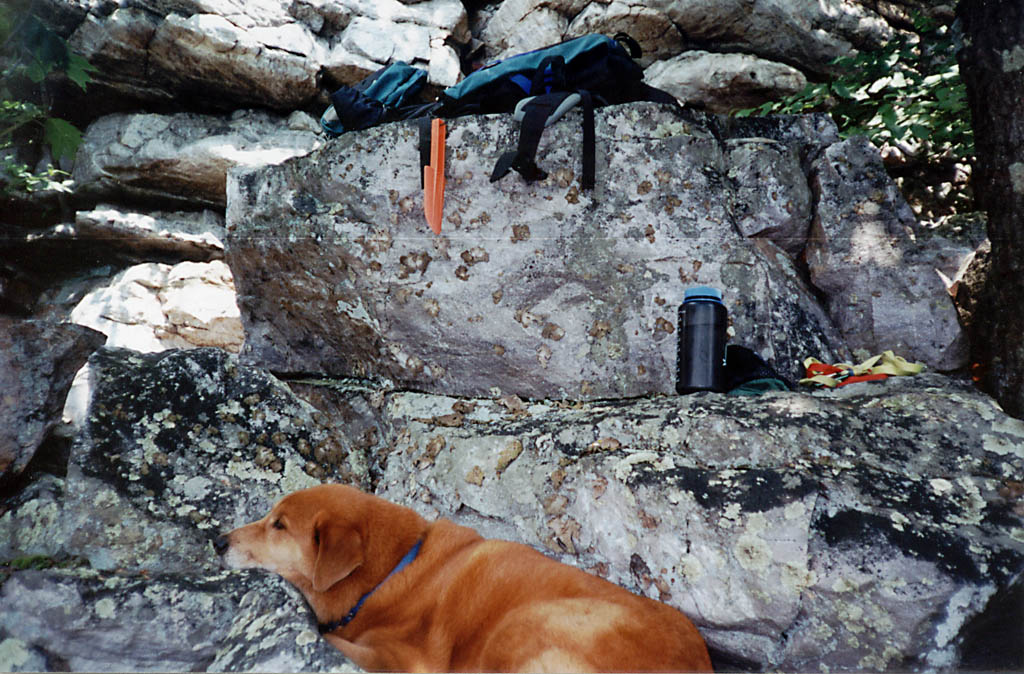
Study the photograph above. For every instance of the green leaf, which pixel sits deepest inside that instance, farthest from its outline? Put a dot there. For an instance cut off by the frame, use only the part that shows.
(840, 90)
(78, 70)
(909, 86)
(62, 137)
(38, 69)
(920, 131)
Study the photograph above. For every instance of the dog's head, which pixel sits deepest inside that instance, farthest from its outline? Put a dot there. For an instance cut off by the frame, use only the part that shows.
(313, 538)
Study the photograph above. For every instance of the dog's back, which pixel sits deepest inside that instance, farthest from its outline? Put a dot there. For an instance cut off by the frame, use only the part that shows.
(504, 606)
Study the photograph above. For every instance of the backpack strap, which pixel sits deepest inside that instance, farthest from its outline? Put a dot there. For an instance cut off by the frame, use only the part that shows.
(549, 76)
(589, 177)
(568, 104)
(631, 46)
(424, 126)
(535, 114)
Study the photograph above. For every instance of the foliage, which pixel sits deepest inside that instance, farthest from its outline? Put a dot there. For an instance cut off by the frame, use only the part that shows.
(32, 55)
(907, 94)
(39, 563)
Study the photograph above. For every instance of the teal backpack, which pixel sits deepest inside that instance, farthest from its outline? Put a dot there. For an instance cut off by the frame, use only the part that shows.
(537, 86)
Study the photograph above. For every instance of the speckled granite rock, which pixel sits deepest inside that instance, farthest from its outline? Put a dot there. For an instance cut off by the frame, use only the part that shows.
(858, 529)
(177, 447)
(85, 620)
(535, 289)
(181, 445)
(30, 521)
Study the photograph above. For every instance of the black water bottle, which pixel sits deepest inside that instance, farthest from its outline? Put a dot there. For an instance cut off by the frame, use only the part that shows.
(700, 358)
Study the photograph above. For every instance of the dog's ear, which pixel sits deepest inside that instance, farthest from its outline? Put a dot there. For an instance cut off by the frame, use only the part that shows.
(339, 551)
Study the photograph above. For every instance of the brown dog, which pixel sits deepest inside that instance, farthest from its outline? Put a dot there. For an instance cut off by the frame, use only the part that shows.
(395, 592)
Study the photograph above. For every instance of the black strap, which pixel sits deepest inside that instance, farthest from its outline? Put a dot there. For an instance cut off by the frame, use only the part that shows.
(629, 44)
(424, 124)
(535, 115)
(543, 81)
(589, 177)
(523, 159)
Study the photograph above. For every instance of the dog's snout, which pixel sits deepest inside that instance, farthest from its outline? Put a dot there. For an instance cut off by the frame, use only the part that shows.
(221, 544)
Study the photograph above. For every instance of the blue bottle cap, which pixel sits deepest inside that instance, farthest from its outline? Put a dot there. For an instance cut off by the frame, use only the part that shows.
(702, 293)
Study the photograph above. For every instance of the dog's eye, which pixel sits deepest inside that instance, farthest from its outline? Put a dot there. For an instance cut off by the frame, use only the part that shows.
(278, 524)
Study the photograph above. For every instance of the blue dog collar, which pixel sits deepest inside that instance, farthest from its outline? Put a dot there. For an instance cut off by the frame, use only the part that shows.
(350, 616)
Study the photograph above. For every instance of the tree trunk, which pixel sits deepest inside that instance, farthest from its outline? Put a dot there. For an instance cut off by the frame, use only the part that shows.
(992, 68)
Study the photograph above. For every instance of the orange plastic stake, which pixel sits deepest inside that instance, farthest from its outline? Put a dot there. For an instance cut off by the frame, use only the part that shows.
(433, 177)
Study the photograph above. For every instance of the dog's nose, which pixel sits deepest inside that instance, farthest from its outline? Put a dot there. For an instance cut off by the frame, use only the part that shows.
(220, 544)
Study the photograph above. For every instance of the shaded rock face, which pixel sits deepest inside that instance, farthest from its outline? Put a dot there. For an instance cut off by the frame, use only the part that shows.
(185, 235)
(182, 157)
(881, 292)
(38, 361)
(178, 447)
(100, 621)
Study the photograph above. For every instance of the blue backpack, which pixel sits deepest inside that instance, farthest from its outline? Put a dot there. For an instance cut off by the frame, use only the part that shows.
(597, 64)
(537, 86)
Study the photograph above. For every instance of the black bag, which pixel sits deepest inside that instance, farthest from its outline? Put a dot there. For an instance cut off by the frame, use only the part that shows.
(384, 96)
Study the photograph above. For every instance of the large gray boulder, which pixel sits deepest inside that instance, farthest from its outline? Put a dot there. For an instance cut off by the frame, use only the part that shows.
(578, 289)
(863, 528)
(539, 289)
(851, 530)
(200, 445)
(883, 287)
